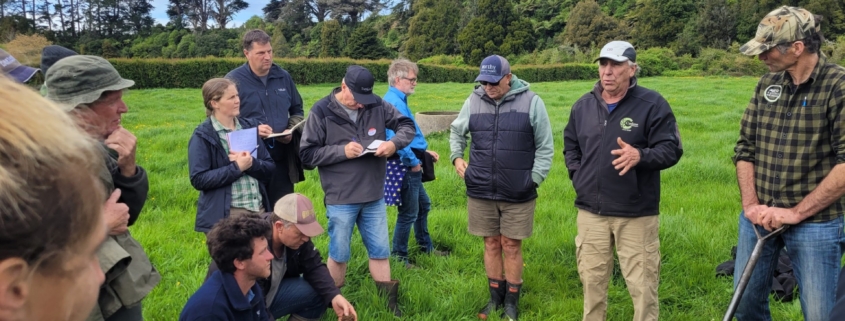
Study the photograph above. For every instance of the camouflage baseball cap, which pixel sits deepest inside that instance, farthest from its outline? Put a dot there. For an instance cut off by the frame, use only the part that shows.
(781, 26)
(79, 80)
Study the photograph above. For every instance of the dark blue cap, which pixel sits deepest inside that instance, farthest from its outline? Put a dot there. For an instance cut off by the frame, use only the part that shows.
(360, 81)
(493, 68)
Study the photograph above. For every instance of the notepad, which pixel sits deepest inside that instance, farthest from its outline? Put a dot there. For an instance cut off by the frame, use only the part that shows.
(244, 140)
(372, 147)
(287, 132)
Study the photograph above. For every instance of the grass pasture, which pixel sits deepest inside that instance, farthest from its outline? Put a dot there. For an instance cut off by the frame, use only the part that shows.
(700, 204)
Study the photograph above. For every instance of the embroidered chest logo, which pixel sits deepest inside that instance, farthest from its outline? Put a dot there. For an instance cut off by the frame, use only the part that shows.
(627, 123)
(772, 93)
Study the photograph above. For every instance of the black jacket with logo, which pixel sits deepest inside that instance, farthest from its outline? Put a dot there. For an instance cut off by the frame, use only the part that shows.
(642, 119)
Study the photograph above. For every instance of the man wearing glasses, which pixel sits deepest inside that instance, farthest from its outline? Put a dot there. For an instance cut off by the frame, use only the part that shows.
(510, 155)
(415, 203)
(789, 164)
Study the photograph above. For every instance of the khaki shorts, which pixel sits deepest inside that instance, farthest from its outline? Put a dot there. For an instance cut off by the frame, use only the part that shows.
(493, 218)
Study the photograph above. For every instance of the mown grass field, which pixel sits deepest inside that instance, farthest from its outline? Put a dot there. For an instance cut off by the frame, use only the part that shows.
(699, 207)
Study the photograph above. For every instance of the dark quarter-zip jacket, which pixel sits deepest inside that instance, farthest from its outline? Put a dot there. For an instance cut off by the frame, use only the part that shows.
(642, 119)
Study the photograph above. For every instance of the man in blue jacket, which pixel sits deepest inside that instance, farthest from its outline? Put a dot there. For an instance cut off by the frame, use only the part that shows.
(269, 96)
(413, 211)
(238, 245)
(618, 139)
(338, 127)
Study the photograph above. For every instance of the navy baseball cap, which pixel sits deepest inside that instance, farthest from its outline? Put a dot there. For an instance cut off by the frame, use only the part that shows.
(360, 82)
(10, 66)
(493, 68)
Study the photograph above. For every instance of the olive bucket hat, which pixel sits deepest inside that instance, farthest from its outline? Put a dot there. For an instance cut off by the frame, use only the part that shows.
(77, 80)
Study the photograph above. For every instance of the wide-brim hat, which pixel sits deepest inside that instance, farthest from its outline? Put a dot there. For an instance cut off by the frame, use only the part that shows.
(77, 80)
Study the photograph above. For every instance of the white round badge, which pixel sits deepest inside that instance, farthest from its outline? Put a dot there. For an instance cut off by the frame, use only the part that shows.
(371, 132)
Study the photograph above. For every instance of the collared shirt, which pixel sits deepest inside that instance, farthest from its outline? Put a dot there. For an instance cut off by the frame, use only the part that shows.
(400, 101)
(245, 191)
(794, 135)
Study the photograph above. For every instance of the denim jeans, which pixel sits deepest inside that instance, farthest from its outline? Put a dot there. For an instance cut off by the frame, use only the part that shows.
(371, 218)
(816, 252)
(413, 212)
(296, 296)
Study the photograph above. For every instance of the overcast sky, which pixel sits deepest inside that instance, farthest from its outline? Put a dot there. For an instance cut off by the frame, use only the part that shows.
(160, 11)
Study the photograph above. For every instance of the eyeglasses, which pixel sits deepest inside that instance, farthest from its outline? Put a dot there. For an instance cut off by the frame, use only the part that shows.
(412, 80)
(485, 83)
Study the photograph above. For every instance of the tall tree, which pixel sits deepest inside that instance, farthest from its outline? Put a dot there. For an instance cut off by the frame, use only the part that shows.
(433, 30)
(331, 39)
(657, 22)
(589, 26)
(496, 30)
(364, 44)
(223, 10)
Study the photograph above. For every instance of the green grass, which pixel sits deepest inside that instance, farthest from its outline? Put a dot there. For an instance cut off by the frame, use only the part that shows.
(698, 221)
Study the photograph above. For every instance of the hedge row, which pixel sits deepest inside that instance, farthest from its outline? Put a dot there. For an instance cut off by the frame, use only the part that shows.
(192, 73)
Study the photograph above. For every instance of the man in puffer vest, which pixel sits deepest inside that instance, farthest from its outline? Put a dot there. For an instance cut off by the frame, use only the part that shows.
(510, 155)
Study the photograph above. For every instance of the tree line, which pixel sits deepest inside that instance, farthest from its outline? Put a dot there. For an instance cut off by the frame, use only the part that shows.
(372, 29)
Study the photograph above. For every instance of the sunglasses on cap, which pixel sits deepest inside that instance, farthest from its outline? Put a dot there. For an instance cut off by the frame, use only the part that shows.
(485, 83)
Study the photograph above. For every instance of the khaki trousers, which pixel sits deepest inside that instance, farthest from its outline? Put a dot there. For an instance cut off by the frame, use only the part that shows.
(638, 247)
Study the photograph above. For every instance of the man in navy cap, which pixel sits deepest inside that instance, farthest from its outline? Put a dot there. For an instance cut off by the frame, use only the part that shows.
(337, 129)
(619, 137)
(511, 154)
(14, 69)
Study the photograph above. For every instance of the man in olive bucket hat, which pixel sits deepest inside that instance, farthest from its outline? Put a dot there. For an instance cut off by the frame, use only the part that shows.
(91, 90)
(790, 164)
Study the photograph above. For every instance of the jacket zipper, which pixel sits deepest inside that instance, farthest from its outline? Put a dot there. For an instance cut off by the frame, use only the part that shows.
(601, 149)
(495, 139)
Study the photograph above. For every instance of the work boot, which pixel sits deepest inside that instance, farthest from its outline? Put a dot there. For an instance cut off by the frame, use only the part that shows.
(391, 288)
(297, 317)
(497, 298)
(512, 302)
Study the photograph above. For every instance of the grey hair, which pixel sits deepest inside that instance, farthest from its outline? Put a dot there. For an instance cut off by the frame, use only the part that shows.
(634, 64)
(400, 68)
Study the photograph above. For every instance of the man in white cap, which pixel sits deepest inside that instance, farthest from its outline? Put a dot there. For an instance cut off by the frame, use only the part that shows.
(10, 67)
(619, 137)
(789, 165)
(511, 154)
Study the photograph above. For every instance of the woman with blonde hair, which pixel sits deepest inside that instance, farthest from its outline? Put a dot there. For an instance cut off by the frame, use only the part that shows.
(51, 220)
(230, 182)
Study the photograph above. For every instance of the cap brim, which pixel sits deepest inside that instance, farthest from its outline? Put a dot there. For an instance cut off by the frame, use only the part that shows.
(364, 99)
(69, 103)
(612, 57)
(754, 47)
(489, 78)
(311, 229)
(23, 73)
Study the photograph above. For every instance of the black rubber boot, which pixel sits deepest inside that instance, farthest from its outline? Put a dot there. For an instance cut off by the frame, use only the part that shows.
(497, 298)
(512, 302)
(391, 288)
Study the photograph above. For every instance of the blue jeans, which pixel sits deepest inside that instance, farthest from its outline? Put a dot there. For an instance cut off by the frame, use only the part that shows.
(816, 252)
(296, 296)
(371, 218)
(412, 213)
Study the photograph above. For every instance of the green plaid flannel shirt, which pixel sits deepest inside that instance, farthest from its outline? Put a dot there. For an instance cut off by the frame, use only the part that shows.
(795, 135)
(245, 191)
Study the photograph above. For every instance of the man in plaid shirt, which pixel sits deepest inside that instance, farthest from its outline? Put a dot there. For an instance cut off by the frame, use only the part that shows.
(789, 164)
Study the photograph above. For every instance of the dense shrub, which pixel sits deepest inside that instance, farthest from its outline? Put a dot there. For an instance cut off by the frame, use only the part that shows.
(191, 73)
(27, 48)
(655, 61)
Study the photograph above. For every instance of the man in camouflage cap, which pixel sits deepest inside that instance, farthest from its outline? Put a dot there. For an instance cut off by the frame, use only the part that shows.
(91, 90)
(790, 164)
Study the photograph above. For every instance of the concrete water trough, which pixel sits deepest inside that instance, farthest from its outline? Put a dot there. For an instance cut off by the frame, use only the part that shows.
(435, 121)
